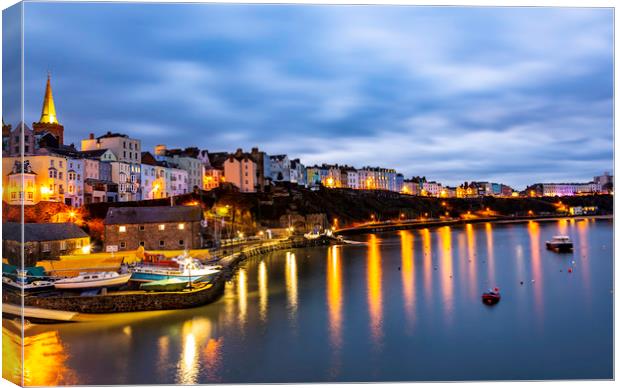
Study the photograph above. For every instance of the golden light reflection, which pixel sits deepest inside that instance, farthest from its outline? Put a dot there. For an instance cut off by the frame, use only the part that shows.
(263, 293)
(534, 232)
(490, 254)
(242, 295)
(334, 296)
(45, 359)
(375, 302)
(583, 259)
(408, 274)
(447, 284)
(163, 350)
(291, 284)
(563, 227)
(194, 332)
(428, 257)
(213, 358)
(471, 254)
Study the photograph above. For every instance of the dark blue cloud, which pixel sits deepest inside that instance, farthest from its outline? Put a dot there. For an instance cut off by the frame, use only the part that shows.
(508, 94)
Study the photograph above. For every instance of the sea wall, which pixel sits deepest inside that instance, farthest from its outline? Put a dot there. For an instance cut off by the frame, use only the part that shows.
(125, 301)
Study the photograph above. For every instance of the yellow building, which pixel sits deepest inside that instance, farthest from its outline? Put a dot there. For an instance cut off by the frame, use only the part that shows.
(44, 178)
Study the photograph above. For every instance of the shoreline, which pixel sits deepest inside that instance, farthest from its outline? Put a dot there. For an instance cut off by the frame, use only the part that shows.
(141, 301)
(389, 227)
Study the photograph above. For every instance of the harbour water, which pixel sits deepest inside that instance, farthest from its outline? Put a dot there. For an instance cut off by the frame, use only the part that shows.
(400, 306)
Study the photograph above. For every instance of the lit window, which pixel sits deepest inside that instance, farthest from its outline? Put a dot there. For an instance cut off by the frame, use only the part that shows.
(46, 247)
(181, 226)
(63, 245)
(162, 227)
(122, 229)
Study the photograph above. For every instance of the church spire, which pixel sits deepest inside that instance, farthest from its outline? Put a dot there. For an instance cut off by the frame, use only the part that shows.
(48, 113)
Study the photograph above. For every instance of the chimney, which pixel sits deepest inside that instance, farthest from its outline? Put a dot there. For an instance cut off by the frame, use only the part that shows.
(160, 150)
(91, 136)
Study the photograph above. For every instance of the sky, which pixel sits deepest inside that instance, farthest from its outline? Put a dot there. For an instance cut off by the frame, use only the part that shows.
(511, 95)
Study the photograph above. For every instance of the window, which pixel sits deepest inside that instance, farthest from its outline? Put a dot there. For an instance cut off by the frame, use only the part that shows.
(60, 175)
(124, 154)
(13, 195)
(30, 195)
(181, 242)
(162, 227)
(181, 226)
(60, 163)
(52, 163)
(123, 244)
(45, 247)
(161, 243)
(122, 229)
(79, 243)
(141, 227)
(63, 245)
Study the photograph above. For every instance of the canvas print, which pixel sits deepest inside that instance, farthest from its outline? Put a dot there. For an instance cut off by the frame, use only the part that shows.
(296, 193)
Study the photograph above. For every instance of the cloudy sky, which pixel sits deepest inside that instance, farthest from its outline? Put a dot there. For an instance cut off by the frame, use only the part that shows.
(515, 95)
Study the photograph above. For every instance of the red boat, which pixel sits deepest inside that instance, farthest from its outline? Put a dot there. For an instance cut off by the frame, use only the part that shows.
(491, 297)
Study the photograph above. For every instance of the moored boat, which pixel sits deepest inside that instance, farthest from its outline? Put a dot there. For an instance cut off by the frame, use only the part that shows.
(165, 285)
(183, 268)
(33, 286)
(491, 297)
(93, 280)
(560, 244)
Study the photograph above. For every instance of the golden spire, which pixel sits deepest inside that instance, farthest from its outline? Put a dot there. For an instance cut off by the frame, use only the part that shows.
(48, 114)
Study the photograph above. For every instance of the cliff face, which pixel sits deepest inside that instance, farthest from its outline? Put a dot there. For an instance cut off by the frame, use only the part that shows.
(285, 204)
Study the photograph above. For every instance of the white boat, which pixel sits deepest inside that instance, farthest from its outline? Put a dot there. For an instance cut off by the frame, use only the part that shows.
(183, 267)
(93, 280)
(560, 244)
(35, 314)
(36, 285)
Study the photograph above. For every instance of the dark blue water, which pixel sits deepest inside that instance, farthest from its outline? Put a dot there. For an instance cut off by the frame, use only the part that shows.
(402, 306)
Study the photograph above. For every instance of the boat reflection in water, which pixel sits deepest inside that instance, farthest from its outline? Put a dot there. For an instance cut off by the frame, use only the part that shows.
(402, 306)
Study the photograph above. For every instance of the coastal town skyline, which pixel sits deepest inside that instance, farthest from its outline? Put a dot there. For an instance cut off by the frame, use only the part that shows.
(516, 130)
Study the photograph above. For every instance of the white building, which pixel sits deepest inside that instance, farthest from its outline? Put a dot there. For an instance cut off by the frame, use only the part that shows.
(74, 195)
(187, 160)
(280, 168)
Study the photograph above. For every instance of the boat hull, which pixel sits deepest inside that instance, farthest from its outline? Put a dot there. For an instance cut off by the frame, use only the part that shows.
(560, 247)
(154, 277)
(98, 283)
(174, 285)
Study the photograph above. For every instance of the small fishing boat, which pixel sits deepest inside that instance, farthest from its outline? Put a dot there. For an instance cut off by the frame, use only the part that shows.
(33, 286)
(560, 244)
(165, 285)
(93, 280)
(491, 297)
(182, 267)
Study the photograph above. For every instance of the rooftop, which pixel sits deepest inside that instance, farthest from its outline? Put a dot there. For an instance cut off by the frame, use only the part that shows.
(145, 215)
(42, 232)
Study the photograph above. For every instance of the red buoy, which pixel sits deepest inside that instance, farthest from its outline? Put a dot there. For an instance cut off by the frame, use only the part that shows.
(570, 270)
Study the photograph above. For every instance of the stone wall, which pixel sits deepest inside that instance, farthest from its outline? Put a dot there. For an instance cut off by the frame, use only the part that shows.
(151, 235)
(124, 302)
